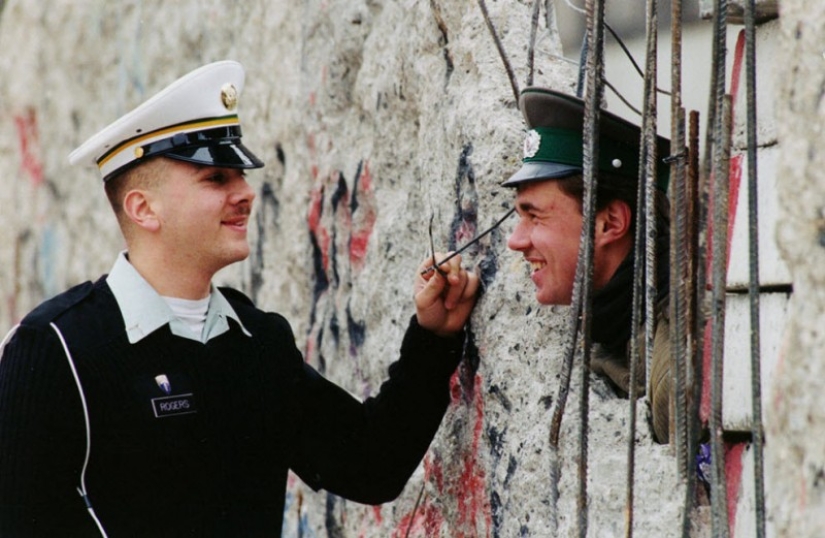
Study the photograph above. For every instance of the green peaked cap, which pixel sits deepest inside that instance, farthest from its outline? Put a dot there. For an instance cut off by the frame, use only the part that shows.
(553, 147)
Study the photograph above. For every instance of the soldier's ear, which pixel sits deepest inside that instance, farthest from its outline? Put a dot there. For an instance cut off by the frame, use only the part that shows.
(613, 222)
(138, 208)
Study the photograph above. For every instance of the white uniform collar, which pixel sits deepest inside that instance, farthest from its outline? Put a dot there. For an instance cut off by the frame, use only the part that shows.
(144, 311)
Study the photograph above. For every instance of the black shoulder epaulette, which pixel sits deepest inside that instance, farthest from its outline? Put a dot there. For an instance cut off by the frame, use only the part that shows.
(51, 309)
(250, 315)
(234, 296)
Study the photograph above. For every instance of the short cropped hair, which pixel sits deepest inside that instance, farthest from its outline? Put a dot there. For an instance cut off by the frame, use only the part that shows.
(610, 188)
(146, 175)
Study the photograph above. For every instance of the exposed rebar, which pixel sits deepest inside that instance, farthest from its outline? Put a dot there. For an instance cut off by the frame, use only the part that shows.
(531, 49)
(678, 262)
(696, 196)
(753, 280)
(500, 47)
(635, 354)
(649, 124)
(580, 313)
(721, 158)
(644, 270)
(590, 158)
(717, 159)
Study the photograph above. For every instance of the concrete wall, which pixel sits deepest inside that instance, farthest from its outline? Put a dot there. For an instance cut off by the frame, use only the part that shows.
(372, 116)
(795, 418)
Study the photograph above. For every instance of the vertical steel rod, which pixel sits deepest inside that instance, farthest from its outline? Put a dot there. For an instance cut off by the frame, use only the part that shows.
(649, 151)
(721, 158)
(678, 207)
(635, 354)
(531, 49)
(561, 398)
(482, 4)
(694, 318)
(753, 281)
(719, 139)
(644, 269)
(594, 94)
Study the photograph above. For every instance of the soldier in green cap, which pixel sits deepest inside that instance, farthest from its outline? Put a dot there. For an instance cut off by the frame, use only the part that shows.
(549, 192)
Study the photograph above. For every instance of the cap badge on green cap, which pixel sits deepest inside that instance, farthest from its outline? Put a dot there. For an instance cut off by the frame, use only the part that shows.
(532, 143)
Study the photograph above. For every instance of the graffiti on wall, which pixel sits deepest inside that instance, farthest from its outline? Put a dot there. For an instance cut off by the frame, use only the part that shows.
(28, 139)
(457, 500)
(340, 220)
(35, 241)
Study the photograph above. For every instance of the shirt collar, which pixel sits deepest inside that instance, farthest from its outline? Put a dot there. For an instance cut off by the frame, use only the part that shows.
(144, 311)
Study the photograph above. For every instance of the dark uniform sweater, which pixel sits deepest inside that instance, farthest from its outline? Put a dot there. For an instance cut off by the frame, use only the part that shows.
(210, 457)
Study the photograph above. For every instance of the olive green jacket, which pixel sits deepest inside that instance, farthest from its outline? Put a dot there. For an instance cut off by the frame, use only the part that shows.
(617, 369)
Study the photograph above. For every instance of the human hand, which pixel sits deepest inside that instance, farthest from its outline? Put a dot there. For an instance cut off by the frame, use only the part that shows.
(444, 300)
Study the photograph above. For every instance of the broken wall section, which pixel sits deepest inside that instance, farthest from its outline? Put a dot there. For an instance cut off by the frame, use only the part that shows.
(372, 117)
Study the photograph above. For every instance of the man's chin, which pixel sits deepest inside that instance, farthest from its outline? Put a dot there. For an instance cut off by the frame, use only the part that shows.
(552, 301)
(236, 255)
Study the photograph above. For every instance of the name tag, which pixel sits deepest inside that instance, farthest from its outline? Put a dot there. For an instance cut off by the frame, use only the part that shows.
(169, 406)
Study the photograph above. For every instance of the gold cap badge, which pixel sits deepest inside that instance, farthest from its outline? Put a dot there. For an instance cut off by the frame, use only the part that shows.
(229, 96)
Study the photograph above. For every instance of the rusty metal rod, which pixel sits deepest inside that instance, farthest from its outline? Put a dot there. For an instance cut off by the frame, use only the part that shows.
(500, 47)
(678, 252)
(721, 157)
(531, 48)
(645, 245)
(720, 143)
(594, 94)
(753, 280)
(635, 358)
(580, 313)
(694, 316)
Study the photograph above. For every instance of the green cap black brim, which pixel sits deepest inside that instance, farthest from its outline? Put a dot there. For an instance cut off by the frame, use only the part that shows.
(553, 148)
(533, 171)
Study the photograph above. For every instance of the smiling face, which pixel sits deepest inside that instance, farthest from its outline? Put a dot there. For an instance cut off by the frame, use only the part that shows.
(547, 235)
(202, 213)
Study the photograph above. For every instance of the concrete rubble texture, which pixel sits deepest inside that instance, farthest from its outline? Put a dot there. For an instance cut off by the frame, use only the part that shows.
(372, 116)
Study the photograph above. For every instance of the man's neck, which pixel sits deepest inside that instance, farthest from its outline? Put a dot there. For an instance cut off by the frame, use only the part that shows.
(612, 308)
(610, 257)
(170, 278)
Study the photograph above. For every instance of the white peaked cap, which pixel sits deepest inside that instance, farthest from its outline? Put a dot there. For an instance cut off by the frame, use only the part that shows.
(194, 119)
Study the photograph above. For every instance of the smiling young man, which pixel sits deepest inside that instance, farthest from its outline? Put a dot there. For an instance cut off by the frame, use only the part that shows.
(151, 403)
(549, 192)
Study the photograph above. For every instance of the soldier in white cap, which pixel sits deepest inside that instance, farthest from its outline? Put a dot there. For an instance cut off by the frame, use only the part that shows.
(151, 403)
(549, 192)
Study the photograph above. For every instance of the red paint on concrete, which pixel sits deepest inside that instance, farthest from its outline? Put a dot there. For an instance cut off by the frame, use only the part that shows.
(314, 223)
(29, 144)
(470, 489)
(364, 224)
(376, 513)
(734, 454)
(434, 472)
(426, 522)
(427, 519)
(465, 232)
(735, 178)
(310, 348)
(735, 172)
(734, 182)
(461, 485)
